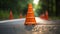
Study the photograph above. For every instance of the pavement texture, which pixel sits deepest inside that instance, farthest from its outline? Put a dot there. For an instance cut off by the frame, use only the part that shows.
(16, 26)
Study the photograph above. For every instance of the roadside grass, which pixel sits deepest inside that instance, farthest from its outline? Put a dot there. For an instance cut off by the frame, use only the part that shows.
(5, 16)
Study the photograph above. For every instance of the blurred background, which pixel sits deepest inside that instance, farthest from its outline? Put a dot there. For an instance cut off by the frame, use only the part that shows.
(20, 7)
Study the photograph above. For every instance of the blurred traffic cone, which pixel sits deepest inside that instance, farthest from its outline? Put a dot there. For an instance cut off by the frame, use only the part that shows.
(42, 16)
(25, 16)
(11, 16)
(46, 15)
(30, 18)
(20, 15)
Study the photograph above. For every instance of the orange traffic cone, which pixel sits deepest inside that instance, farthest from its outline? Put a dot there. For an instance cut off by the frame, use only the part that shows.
(42, 16)
(46, 15)
(30, 18)
(20, 15)
(11, 16)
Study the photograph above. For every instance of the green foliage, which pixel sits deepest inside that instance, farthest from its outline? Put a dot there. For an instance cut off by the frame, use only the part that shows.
(21, 6)
(4, 15)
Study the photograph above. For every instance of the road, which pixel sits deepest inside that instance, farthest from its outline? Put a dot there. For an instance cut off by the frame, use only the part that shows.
(16, 26)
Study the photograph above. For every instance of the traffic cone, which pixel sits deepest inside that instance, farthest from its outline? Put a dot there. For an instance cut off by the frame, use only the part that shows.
(46, 15)
(20, 15)
(11, 16)
(30, 18)
(42, 16)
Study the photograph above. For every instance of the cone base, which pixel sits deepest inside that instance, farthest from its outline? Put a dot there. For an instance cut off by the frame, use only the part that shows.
(11, 18)
(31, 24)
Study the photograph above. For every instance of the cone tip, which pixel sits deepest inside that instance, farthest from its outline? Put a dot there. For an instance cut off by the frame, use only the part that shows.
(29, 5)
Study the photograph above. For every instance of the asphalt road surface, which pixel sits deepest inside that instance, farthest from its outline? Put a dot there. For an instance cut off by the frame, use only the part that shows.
(16, 26)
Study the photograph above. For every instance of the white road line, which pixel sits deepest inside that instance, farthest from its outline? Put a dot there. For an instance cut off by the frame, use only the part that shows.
(12, 20)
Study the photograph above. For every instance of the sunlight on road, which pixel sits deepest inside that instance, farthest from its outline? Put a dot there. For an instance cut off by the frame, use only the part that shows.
(39, 20)
(43, 29)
